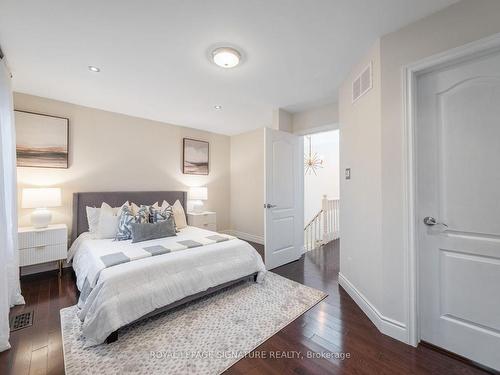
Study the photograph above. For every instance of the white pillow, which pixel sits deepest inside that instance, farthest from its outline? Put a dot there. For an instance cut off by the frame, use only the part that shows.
(93, 216)
(179, 215)
(93, 219)
(134, 208)
(108, 221)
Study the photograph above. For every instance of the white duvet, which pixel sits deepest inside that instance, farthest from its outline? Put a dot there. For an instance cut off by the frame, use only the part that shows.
(128, 291)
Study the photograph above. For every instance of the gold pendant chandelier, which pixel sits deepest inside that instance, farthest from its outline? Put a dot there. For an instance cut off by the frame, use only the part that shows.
(312, 161)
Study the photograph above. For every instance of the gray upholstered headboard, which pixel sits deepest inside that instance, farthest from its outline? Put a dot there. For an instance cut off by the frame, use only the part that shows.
(116, 199)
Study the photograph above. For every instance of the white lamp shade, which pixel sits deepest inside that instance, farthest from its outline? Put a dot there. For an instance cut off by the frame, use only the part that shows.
(198, 193)
(41, 197)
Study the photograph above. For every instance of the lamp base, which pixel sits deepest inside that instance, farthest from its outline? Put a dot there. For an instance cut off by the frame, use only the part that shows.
(41, 218)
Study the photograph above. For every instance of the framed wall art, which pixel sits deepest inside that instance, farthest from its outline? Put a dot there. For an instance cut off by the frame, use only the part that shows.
(196, 155)
(41, 140)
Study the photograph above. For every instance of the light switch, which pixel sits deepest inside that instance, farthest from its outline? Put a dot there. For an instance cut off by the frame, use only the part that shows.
(348, 173)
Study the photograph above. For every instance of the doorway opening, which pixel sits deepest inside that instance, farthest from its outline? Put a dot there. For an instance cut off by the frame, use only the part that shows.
(321, 189)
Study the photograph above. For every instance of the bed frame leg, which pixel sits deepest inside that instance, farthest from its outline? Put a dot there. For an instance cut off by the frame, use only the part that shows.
(112, 337)
(255, 277)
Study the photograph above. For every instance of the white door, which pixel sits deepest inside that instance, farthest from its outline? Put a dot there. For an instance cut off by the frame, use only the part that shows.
(284, 200)
(458, 184)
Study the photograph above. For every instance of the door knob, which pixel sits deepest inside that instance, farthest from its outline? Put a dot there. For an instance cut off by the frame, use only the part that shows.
(268, 205)
(430, 221)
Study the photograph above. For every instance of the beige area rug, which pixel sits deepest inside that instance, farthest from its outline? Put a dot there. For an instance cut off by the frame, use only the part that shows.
(204, 337)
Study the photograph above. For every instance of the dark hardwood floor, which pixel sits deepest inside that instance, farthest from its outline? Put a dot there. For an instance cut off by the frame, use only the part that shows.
(338, 325)
(335, 325)
(38, 349)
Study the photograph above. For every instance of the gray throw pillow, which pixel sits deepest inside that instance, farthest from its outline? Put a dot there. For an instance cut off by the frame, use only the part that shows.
(152, 231)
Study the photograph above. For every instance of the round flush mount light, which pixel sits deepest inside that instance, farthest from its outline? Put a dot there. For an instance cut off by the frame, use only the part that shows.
(226, 57)
(94, 69)
(217, 107)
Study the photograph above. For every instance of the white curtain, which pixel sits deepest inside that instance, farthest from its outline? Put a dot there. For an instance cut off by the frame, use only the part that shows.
(10, 291)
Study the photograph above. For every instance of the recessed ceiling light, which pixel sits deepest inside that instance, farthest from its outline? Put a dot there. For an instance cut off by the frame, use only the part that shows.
(226, 57)
(94, 69)
(217, 107)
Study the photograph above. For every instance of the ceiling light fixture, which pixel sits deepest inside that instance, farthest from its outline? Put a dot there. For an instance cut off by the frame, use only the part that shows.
(226, 57)
(94, 69)
(217, 107)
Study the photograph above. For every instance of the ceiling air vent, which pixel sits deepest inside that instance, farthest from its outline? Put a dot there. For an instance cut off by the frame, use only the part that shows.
(362, 84)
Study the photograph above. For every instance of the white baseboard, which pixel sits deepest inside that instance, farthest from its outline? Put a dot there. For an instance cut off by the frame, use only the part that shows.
(245, 236)
(387, 326)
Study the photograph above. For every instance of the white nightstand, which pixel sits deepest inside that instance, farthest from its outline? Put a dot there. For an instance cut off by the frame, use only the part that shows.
(204, 220)
(43, 245)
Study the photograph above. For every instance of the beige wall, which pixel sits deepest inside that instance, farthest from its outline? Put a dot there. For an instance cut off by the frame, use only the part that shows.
(316, 119)
(110, 152)
(282, 120)
(247, 184)
(313, 120)
(454, 26)
(361, 203)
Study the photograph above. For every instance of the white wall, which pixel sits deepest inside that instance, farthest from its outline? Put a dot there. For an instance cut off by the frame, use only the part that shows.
(373, 254)
(454, 26)
(326, 181)
(247, 185)
(282, 120)
(322, 118)
(113, 152)
(313, 120)
(361, 203)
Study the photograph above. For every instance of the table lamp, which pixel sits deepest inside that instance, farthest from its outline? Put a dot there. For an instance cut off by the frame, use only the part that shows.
(40, 199)
(198, 195)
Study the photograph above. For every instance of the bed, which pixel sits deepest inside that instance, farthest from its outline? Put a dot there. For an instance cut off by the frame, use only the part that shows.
(120, 295)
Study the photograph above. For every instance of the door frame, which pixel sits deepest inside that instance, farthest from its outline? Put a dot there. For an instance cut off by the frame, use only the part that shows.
(410, 74)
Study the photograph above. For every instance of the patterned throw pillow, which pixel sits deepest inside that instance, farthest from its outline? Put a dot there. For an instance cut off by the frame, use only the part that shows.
(127, 218)
(157, 214)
